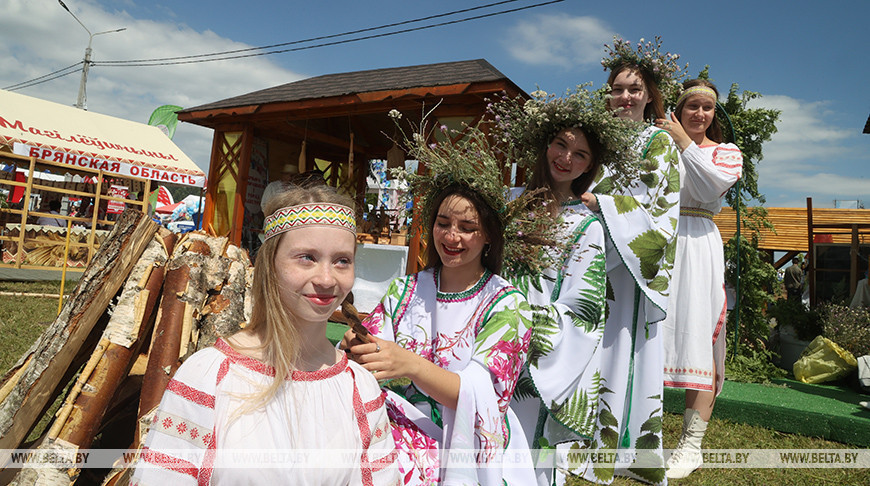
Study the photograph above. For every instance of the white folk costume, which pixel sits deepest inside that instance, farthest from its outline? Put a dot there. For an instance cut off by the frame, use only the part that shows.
(565, 356)
(481, 334)
(325, 427)
(694, 330)
(641, 227)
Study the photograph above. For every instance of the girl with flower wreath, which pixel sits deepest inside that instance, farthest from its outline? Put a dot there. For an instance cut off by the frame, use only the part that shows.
(563, 143)
(279, 387)
(694, 330)
(456, 330)
(640, 220)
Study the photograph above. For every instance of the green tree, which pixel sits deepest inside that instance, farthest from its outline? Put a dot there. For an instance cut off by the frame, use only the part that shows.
(748, 128)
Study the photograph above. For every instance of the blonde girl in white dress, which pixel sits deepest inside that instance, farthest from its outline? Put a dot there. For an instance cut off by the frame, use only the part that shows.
(276, 403)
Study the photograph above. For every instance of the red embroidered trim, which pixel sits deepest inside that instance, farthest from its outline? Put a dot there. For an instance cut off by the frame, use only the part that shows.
(168, 462)
(384, 462)
(208, 462)
(222, 371)
(264, 369)
(364, 433)
(190, 394)
(722, 316)
(686, 384)
(376, 403)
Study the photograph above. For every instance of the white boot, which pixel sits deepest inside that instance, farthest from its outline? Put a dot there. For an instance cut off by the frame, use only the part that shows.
(687, 456)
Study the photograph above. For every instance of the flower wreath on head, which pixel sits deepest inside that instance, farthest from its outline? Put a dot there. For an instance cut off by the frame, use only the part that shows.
(647, 56)
(531, 235)
(526, 128)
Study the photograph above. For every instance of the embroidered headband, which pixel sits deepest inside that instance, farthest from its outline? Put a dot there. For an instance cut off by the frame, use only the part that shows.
(311, 214)
(696, 90)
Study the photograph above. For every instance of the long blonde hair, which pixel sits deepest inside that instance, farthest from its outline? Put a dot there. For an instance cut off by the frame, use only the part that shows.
(280, 342)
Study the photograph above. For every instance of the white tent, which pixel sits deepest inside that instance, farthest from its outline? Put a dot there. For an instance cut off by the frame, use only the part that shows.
(37, 128)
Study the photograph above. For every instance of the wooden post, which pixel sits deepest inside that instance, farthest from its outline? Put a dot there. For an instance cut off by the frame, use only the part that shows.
(811, 253)
(853, 270)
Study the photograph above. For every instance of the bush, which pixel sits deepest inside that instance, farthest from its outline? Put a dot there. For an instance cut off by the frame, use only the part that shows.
(807, 323)
(848, 327)
(754, 364)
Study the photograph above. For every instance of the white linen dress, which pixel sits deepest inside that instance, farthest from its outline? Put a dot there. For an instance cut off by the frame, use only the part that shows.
(326, 427)
(694, 330)
(640, 224)
(565, 353)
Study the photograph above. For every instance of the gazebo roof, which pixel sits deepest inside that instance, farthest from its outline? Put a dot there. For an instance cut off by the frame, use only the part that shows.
(369, 81)
(326, 110)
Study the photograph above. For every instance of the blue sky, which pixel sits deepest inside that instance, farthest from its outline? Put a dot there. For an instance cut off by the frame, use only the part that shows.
(809, 60)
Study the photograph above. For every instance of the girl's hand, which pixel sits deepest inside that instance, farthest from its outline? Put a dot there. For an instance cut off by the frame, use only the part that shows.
(385, 359)
(590, 201)
(675, 129)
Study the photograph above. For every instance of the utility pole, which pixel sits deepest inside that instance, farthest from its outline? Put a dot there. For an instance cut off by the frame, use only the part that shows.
(82, 100)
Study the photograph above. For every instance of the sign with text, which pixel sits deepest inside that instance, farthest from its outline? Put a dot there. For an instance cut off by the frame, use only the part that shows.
(116, 167)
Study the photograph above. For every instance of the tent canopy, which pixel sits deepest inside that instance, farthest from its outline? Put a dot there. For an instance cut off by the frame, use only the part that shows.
(169, 208)
(37, 128)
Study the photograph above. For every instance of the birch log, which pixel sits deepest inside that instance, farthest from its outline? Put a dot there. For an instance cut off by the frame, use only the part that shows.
(132, 319)
(227, 312)
(51, 356)
(197, 267)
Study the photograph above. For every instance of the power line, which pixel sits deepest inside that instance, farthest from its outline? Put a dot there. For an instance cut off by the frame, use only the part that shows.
(197, 58)
(312, 39)
(326, 44)
(33, 82)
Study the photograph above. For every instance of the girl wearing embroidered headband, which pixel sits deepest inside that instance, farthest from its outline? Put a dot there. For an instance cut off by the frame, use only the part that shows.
(694, 331)
(457, 330)
(279, 384)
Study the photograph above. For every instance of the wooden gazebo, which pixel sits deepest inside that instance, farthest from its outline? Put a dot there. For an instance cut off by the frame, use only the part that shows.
(340, 121)
(813, 231)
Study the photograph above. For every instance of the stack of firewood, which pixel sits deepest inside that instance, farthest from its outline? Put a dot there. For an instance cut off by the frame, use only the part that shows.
(146, 301)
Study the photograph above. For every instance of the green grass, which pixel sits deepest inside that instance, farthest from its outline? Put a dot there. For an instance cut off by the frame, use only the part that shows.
(722, 434)
(23, 319)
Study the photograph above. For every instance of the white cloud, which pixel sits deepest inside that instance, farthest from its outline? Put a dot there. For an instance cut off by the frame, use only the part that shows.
(40, 37)
(810, 155)
(558, 40)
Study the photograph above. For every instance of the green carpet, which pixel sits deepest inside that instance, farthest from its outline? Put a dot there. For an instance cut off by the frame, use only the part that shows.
(828, 411)
(335, 331)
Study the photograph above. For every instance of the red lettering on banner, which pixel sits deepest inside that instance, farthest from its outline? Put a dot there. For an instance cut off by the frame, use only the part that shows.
(45, 154)
(16, 125)
(70, 159)
(34, 152)
(115, 167)
(58, 156)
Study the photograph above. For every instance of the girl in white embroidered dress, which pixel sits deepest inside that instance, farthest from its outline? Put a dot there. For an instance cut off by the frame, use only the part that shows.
(640, 220)
(279, 388)
(694, 330)
(460, 333)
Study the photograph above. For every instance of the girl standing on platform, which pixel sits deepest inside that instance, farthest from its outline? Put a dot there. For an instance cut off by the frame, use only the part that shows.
(640, 220)
(694, 330)
(279, 385)
(563, 142)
